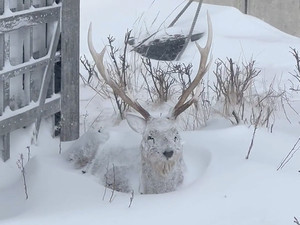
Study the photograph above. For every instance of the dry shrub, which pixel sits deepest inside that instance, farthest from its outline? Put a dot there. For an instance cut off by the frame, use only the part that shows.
(239, 100)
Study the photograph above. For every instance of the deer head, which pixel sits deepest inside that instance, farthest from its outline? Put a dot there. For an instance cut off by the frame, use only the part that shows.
(161, 148)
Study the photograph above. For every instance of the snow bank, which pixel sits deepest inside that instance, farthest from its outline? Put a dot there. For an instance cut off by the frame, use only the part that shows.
(221, 187)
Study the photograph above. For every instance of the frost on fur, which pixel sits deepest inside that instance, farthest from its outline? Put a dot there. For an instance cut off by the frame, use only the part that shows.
(161, 157)
(156, 166)
(161, 161)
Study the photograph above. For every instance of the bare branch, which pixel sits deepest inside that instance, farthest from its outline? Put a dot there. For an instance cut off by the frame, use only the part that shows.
(161, 78)
(21, 166)
(98, 58)
(131, 199)
(296, 72)
(89, 68)
(253, 135)
(290, 155)
(113, 185)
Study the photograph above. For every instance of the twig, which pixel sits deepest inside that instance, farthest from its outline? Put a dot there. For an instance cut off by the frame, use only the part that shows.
(161, 77)
(114, 186)
(119, 72)
(90, 68)
(58, 128)
(289, 155)
(60, 147)
(106, 183)
(96, 119)
(28, 153)
(296, 221)
(296, 72)
(85, 116)
(131, 198)
(236, 117)
(253, 135)
(20, 164)
(104, 193)
(101, 93)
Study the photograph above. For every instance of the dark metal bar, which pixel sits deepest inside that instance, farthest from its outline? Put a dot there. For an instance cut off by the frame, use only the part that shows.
(191, 30)
(180, 14)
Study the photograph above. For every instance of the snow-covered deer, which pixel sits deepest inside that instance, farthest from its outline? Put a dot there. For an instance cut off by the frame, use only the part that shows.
(161, 148)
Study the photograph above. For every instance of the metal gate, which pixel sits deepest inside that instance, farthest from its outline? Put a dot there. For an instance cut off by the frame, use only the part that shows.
(39, 67)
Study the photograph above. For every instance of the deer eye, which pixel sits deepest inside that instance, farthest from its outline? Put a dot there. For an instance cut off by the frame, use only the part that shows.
(150, 138)
(176, 138)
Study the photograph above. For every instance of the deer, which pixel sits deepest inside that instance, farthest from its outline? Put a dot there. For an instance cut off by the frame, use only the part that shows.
(161, 148)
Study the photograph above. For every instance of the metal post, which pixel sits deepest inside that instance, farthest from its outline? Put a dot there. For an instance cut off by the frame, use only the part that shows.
(4, 98)
(246, 7)
(180, 14)
(191, 30)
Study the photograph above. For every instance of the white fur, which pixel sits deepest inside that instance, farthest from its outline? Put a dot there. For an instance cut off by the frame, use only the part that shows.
(124, 166)
(83, 150)
(159, 174)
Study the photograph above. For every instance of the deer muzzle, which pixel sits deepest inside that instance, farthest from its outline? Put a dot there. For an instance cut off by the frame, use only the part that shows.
(168, 153)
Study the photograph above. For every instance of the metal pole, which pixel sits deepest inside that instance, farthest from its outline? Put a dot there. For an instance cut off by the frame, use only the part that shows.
(180, 14)
(191, 30)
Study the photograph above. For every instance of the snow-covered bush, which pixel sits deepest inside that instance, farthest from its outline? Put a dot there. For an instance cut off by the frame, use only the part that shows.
(237, 98)
(233, 86)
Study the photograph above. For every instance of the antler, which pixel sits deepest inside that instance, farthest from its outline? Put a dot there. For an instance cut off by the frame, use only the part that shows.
(98, 58)
(182, 105)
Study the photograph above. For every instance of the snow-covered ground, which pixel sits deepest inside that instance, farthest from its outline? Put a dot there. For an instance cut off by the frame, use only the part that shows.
(220, 186)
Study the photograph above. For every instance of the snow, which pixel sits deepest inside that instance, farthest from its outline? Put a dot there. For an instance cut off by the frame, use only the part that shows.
(220, 187)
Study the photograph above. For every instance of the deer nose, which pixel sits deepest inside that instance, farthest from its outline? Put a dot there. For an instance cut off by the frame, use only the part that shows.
(168, 154)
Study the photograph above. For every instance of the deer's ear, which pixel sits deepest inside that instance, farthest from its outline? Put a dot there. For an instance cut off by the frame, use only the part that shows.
(138, 124)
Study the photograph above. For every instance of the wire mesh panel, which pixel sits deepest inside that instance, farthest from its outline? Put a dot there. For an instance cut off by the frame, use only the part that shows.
(30, 49)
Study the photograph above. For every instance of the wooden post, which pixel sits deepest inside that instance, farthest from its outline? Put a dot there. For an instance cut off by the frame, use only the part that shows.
(246, 7)
(4, 99)
(70, 70)
(2, 55)
(1, 7)
(5, 139)
(4, 147)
